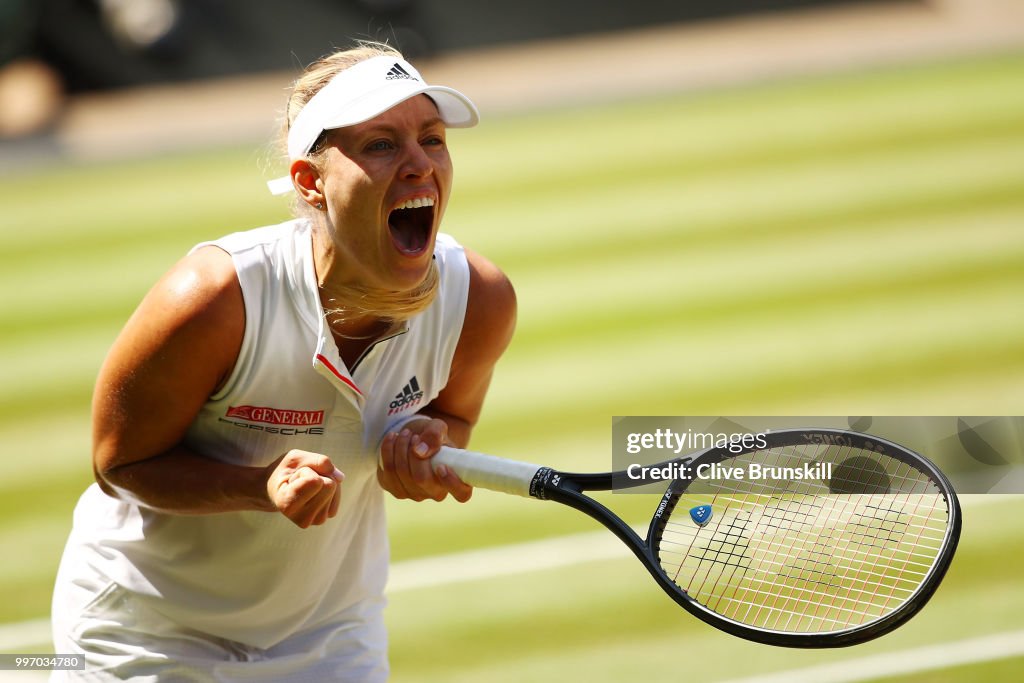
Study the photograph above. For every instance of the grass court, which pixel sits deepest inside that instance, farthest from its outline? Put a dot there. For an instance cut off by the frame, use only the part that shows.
(850, 245)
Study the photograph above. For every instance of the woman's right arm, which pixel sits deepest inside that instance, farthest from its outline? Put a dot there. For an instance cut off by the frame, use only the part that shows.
(175, 351)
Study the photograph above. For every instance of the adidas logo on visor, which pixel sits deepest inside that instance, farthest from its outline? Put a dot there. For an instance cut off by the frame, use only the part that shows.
(398, 72)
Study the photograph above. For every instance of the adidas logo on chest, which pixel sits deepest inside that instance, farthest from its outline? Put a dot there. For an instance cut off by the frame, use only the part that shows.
(409, 397)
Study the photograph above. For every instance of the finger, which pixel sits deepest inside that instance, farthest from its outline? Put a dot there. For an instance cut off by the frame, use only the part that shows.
(387, 453)
(403, 469)
(326, 500)
(316, 510)
(298, 496)
(434, 435)
(324, 467)
(303, 484)
(318, 462)
(422, 473)
(332, 508)
(338, 476)
(289, 465)
(322, 510)
(420, 448)
(296, 458)
(460, 490)
(387, 472)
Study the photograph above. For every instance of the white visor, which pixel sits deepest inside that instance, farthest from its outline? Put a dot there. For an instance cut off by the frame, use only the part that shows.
(361, 92)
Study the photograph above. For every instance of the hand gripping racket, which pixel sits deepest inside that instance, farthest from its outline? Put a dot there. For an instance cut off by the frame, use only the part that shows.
(844, 553)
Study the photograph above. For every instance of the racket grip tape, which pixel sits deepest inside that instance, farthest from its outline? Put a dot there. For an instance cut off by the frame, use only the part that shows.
(488, 471)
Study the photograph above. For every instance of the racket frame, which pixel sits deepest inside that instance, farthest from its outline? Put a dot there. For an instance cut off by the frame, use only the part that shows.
(568, 489)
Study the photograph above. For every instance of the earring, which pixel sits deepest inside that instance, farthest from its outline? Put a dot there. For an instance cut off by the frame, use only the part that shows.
(320, 206)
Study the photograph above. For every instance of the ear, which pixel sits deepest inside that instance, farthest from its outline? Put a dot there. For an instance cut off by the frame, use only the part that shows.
(308, 184)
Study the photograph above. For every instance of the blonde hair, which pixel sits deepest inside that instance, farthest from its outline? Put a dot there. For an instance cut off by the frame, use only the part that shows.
(397, 306)
(353, 301)
(318, 74)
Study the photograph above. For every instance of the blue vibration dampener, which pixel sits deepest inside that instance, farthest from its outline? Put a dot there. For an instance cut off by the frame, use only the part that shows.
(701, 514)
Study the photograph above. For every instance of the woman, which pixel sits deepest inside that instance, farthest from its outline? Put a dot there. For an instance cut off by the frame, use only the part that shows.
(269, 387)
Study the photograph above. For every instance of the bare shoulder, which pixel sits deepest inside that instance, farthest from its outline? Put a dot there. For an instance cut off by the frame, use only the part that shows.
(491, 308)
(202, 283)
(174, 352)
(198, 304)
(193, 318)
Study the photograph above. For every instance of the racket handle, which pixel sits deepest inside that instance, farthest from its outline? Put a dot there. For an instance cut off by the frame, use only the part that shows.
(488, 471)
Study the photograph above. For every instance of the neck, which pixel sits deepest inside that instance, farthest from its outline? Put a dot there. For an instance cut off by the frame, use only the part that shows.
(356, 311)
(325, 260)
(358, 327)
(354, 336)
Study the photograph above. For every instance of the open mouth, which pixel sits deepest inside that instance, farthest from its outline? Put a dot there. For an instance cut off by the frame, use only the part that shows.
(410, 225)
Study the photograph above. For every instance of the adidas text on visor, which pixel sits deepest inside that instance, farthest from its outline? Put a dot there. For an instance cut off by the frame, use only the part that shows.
(361, 92)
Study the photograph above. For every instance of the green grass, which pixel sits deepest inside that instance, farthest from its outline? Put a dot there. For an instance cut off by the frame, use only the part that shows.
(849, 245)
(606, 621)
(1000, 671)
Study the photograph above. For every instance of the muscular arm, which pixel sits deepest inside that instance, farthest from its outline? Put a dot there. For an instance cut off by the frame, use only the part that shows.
(178, 347)
(486, 332)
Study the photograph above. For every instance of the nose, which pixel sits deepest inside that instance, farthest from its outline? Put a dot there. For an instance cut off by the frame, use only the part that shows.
(416, 163)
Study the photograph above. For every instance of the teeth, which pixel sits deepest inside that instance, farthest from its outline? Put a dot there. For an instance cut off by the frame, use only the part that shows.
(417, 203)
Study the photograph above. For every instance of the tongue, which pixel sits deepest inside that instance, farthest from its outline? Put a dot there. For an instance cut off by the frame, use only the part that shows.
(410, 228)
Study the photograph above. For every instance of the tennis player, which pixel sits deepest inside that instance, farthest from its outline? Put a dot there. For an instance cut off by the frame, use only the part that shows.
(266, 392)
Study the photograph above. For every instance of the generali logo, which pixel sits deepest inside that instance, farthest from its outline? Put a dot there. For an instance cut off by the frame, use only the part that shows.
(276, 416)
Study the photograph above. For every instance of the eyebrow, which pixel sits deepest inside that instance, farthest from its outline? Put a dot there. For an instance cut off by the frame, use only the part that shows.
(429, 123)
(376, 129)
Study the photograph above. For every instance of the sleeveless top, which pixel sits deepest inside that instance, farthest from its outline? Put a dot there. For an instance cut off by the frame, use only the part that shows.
(254, 577)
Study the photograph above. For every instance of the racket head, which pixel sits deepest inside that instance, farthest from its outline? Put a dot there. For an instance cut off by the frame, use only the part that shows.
(826, 561)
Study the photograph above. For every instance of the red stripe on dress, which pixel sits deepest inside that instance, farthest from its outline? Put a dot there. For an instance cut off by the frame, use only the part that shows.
(343, 378)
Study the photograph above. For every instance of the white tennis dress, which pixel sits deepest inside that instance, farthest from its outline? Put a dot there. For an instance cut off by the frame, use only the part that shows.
(249, 595)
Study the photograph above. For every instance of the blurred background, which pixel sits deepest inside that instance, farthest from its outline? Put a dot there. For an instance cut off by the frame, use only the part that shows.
(744, 207)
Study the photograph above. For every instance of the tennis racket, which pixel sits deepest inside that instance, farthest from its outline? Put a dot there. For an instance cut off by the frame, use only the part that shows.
(845, 554)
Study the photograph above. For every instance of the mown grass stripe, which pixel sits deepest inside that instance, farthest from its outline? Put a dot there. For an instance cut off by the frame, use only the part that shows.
(742, 370)
(578, 428)
(689, 223)
(581, 216)
(912, 285)
(813, 147)
(631, 304)
(855, 258)
(695, 128)
(131, 268)
(682, 232)
(128, 197)
(701, 293)
(813, 120)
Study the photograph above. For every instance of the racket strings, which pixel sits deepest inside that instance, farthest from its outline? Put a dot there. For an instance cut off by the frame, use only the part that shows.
(809, 555)
(833, 603)
(730, 547)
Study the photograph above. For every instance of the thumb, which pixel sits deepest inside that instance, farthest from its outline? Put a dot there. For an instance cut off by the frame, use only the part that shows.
(323, 466)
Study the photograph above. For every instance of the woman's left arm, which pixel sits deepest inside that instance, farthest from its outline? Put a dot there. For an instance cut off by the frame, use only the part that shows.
(405, 469)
